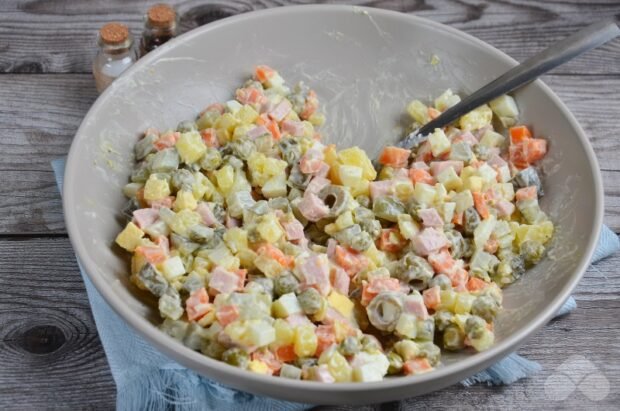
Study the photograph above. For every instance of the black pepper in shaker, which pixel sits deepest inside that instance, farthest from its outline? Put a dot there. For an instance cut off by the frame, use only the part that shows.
(160, 26)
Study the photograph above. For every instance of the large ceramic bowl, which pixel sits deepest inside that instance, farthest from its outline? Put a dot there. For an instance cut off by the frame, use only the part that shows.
(365, 65)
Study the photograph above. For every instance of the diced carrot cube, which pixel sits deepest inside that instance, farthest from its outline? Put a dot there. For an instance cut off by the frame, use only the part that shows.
(519, 134)
(433, 113)
(391, 240)
(481, 204)
(394, 157)
(476, 284)
(526, 193)
(432, 297)
(227, 314)
(418, 175)
(286, 353)
(417, 366)
(264, 73)
(536, 149)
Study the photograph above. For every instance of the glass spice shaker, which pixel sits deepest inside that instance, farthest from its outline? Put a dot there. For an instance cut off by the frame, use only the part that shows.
(116, 54)
(160, 26)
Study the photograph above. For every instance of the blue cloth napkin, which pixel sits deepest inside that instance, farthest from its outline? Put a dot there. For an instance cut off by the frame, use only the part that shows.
(148, 380)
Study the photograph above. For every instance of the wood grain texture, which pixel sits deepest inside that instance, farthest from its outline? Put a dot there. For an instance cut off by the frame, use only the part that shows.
(39, 36)
(71, 371)
(39, 115)
(50, 352)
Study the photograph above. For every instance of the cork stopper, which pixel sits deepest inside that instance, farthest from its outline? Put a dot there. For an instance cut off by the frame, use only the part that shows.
(114, 34)
(161, 15)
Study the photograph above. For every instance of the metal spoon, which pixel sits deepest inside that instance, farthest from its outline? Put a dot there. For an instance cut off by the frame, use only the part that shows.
(586, 39)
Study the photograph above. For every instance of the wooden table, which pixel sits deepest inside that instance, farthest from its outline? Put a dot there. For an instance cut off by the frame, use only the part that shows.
(50, 353)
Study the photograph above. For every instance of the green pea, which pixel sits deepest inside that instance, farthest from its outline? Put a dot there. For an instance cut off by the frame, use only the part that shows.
(425, 329)
(211, 160)
(441, 280)
(369, 343)
(475, 327)
(363, 201)
(213, 349)
(396, 363)
(388, 208)
(285, 283)
(311, 301)
(349, 346)
(430, 351)
(485, 307)
(453, 338)
(243, 148)
(471, 219)
(443, 319)
(186, 126)
(532, 251)
(182, 179)
(236, 357)
(145, 146)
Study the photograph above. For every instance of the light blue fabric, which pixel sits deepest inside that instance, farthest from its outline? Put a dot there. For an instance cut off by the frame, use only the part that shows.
(148, 380)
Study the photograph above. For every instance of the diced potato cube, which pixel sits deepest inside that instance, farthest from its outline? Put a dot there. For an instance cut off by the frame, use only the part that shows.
(260, 333)
(355, 156)
(450, 180)
(262, 168)
(225, 178)
(483, 232)
(349, 175)
(285, 333)
(290, 371)
(130, 237)
(487, 173)
(247, 114)
(477, 118)
(439, 142)
(504, 106)
(361, 188)
(286, 305)
(448, 299)
(238, 201)
(440, 193)
(275, 186)
(222, 256)
(463, 200)
(341, 303)
(233, 106)
(344, 220)
(317, 119)
(446, 211)
(468, 172)
(492, 139)
(173, 268)
(375, 256)
(156, 188)
(407, 326)
(268, 266)
(473, 183)
(374, 367)
(246, 257)
(269, 229)
(183, 221)
(424, 194)
(185, 201)
(418, 111)
(404, 189)
(131, 190)
(408, 228)
(306, 341)
(236, 239)
(190, 147)
(226, 121)
(446, 100)
(463, 303)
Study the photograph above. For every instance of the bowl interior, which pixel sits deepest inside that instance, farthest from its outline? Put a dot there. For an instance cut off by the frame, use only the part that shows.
(365, 65)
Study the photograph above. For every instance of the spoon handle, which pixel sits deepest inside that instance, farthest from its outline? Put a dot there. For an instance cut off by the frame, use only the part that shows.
(558, 53)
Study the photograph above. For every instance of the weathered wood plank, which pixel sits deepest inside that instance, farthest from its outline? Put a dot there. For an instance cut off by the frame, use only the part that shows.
(58, 37)
(51, 354)
(49, 347)
(39, 115)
